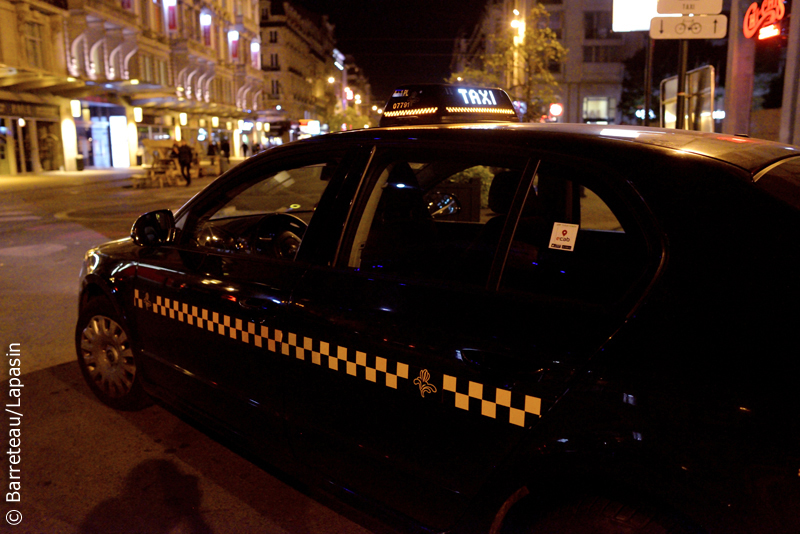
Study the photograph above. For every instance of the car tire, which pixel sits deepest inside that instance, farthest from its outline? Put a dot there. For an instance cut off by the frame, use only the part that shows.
(106, 357)
(597, 515)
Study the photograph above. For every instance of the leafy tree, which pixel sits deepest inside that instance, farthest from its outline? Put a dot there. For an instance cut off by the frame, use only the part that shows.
(351, 118)
(523, 60)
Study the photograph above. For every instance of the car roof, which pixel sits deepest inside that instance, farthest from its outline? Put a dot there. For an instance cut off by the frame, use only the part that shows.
(747, 153)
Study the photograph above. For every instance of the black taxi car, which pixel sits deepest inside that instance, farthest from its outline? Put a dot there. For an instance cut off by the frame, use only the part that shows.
(467, 324)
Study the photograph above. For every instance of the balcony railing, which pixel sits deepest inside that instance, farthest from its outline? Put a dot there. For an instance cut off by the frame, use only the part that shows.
(110, 9)
(192, 47)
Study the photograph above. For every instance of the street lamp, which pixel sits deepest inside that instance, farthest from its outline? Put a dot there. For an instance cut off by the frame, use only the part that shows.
(518, 25)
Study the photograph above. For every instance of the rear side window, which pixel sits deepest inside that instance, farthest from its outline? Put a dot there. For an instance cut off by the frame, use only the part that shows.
(783, 182)
(434, 215)
(575, 239)
(447, 217)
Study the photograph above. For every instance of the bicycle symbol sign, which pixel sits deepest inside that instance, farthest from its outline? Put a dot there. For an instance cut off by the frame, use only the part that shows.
(697, 27)
(694, 28)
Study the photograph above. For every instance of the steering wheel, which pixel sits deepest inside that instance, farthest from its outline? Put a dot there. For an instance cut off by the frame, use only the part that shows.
(217, 238)
(278, 235)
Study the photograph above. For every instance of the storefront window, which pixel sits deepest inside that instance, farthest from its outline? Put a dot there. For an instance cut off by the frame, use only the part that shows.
(7, 162)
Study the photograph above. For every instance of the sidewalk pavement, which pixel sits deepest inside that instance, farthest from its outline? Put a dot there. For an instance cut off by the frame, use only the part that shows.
(111, 174)
(94, 174)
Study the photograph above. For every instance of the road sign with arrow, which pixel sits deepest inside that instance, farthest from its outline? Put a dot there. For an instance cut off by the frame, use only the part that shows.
(699, 27)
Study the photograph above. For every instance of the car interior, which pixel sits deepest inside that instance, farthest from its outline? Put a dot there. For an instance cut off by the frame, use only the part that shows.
(405, 231)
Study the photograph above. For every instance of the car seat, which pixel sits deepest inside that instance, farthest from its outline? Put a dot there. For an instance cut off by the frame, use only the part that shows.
(402, 230)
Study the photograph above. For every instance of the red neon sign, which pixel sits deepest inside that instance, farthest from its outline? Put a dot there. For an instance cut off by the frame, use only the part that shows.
(770, 12)
(773, 30)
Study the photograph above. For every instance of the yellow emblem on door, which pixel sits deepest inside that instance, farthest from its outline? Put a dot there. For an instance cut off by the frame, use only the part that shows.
(422, 382)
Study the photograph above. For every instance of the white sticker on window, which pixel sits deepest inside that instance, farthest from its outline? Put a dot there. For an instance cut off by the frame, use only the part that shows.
(564, 236)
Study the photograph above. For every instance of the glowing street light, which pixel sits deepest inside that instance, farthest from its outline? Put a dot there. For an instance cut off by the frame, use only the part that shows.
(518, 25)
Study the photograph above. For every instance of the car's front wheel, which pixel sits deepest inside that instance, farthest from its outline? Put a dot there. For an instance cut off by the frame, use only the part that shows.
(106, 357)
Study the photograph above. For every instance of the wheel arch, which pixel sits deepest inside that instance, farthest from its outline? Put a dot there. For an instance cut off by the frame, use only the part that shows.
(94, 287)
(536, 483)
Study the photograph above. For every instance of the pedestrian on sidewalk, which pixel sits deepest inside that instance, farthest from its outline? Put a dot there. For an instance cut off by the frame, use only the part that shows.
(185, 157)
(213, 150)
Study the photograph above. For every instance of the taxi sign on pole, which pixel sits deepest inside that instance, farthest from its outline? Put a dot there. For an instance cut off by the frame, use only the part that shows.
(700, 27)
(689, 7)
(632, 15)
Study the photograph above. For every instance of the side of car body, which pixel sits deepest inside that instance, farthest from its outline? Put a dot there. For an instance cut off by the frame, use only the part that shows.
(584, 315)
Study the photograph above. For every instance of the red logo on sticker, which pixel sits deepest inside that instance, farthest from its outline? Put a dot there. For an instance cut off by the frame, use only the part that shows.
(564, 232)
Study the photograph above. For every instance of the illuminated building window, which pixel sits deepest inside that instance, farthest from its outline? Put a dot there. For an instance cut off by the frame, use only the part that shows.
(255, 54)
(172, 14)
(205, 28)
(233, 43)
(599, 109)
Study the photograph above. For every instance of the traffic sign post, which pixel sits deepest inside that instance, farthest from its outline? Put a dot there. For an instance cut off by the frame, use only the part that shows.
(689, 7)
(700, 27)
(701, 20)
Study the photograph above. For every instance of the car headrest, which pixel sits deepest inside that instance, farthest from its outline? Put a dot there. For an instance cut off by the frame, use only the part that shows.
(502, 191)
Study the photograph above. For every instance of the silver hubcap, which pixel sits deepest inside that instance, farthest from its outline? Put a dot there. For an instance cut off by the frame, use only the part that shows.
(108, 356)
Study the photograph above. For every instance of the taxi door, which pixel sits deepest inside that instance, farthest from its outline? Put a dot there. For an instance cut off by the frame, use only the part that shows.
(209, 308)
(417, 374)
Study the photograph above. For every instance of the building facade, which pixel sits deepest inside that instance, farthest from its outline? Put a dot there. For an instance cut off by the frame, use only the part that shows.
(33, 37)
(309, 83)
(298, 58)
(590, 78)
(89, 82)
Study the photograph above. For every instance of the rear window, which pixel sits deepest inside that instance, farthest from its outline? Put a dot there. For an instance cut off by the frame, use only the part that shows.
(783, 182)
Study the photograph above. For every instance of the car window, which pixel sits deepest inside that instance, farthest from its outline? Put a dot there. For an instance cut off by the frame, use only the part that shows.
(266, 216)
(569, 241)
(783, 182)
(434, 216)
(294, 191)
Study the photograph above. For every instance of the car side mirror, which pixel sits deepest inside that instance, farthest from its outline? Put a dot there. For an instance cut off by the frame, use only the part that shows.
(153, 228)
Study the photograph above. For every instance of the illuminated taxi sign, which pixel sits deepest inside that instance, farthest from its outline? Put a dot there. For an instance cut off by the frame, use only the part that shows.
(439, 103)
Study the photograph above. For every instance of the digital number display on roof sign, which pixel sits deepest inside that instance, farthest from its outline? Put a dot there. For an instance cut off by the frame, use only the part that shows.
(441, 104)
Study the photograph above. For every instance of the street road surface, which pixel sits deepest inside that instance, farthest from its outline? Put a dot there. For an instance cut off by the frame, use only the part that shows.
(82, 467)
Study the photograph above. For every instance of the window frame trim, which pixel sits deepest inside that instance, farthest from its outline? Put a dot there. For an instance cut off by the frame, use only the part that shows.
(511, 223)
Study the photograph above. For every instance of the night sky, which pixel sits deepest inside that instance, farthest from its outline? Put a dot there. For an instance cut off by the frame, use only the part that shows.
(399, 41)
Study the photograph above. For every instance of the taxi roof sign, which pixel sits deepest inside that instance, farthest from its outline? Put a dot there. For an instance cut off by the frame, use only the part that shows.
(447, 104)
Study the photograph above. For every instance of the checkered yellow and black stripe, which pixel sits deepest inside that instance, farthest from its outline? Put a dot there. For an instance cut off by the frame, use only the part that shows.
(497, 403)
